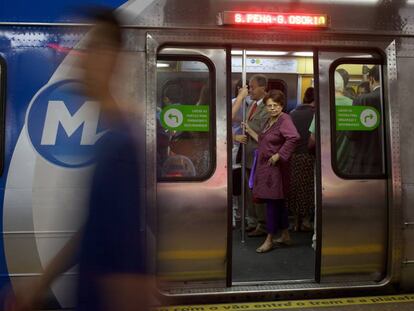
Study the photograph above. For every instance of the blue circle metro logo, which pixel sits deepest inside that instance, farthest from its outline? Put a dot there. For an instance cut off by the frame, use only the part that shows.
(64, 125)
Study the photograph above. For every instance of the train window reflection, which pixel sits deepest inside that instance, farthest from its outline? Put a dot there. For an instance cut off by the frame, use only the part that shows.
(184, 116)
(358, 135)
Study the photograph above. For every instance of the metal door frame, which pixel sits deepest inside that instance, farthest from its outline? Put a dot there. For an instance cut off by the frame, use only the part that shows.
(335, 42)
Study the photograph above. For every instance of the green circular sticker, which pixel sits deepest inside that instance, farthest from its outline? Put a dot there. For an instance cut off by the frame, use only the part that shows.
(173, 117)
(369, 118)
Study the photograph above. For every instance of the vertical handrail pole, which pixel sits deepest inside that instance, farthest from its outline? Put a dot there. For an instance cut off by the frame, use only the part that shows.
(243, 160)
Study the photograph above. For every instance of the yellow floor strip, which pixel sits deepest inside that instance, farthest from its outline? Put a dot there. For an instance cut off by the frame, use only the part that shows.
(353, 250)
(192, 275)
(221, 253)
(294, 304)
(192, 255)
(354, 269)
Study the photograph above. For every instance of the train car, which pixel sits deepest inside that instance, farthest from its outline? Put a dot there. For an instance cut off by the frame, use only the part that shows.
(182, 63)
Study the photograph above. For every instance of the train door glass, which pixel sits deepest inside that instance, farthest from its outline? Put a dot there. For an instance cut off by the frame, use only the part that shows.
(292, 256)
(353, 181)
(184, 142)
(358, 140)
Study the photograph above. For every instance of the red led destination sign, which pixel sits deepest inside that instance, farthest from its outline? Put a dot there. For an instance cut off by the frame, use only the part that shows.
(274, 19)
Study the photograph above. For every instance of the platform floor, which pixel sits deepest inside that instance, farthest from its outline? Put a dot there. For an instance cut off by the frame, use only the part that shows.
(296, 262)
(373, 303)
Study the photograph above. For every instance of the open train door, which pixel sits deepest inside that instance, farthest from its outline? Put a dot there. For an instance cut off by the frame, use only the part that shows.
(352, 170)
(187, 164)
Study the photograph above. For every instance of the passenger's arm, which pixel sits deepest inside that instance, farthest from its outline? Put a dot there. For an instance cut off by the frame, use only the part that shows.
(126, 292)
(65, 259)
(240, 139)
(291, 135)
(32, 295)
(311, 142)
(273, 159)
(250, 132)
(243, 92)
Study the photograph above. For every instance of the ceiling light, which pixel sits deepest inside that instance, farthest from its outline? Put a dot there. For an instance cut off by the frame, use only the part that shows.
(266, 53)
(236, 52)
(304, 54)
(259, 53)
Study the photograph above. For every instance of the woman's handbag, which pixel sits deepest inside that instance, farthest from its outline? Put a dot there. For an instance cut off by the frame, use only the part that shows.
(252, 172)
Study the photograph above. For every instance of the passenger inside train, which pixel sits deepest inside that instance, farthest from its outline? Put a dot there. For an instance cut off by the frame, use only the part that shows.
(281, 72)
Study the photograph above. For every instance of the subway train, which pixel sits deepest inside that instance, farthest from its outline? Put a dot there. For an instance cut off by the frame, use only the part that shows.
(180, 66)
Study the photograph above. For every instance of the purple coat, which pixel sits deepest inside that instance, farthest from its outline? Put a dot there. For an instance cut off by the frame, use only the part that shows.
(272, 182)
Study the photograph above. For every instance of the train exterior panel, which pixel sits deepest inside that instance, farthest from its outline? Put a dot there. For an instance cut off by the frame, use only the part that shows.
(364, 224)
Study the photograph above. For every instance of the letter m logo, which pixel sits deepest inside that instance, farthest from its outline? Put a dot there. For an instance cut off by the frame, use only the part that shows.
(58, 114)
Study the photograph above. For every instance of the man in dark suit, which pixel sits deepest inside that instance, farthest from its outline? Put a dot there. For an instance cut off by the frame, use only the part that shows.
(366, 146)
(256, 118)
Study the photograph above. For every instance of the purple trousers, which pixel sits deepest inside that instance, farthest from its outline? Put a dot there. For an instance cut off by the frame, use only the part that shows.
(276, 216)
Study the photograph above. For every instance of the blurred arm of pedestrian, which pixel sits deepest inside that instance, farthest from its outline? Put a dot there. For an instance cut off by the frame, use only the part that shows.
(126, 292)
(243, 92)
(31, 295)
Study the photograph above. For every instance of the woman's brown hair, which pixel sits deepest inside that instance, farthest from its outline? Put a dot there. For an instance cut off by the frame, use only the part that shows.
(277, 96)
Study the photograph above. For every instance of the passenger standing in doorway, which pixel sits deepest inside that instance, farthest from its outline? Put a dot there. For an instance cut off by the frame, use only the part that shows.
(257, 117)
(301, 194)
(277, 142)
(238, 101)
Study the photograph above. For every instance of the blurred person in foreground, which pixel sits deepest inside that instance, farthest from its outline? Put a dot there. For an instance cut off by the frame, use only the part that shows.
(110, 247)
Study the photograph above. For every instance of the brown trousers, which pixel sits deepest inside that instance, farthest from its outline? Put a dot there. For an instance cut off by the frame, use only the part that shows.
(256, 212)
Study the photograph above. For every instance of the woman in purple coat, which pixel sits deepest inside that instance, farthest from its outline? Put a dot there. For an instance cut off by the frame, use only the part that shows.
(271, 183)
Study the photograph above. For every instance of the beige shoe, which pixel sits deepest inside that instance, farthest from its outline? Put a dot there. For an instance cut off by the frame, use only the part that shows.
(264, 248)
(282, 242)
(256, 233)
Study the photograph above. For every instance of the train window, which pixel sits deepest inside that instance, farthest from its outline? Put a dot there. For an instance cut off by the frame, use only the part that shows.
(185, 111)
(2, 110)
(358, 127)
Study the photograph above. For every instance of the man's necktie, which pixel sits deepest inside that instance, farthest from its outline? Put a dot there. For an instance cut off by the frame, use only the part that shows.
(254, 107)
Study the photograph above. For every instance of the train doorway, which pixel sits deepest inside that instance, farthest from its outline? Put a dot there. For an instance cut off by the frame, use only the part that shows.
(200, 241)
(347, 138)
(292, 255)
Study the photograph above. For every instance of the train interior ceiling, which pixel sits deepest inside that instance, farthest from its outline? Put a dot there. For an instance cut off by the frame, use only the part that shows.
(188, 82)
